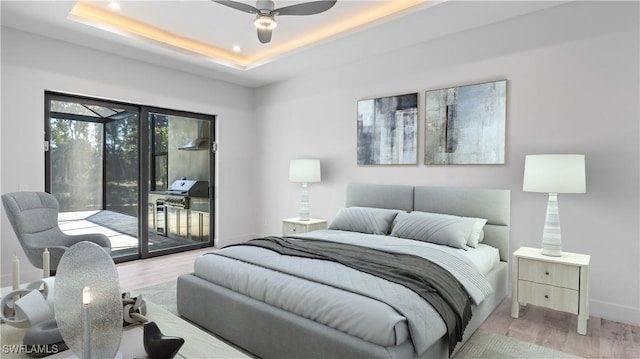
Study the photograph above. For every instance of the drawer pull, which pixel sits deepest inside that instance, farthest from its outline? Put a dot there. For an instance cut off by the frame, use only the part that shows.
(547, 273)
(546, 296)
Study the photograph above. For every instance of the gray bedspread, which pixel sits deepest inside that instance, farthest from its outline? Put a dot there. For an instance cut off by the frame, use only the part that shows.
(425, 325)
(451, 259)
(427, 279)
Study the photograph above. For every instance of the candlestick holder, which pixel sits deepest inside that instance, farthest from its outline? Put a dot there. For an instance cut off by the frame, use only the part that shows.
(87, 302)
(23, 308)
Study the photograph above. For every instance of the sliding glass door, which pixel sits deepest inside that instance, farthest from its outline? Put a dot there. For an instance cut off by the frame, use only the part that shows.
(104, 159)
(92, 167)
(180, 196)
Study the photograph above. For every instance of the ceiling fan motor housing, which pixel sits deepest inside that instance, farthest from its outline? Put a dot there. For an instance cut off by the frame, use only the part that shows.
(265, 20)
(263, 5)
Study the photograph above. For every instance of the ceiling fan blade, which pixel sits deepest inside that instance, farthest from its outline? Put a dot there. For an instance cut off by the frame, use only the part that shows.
(238, 6)
(308, 8)
(264, 35)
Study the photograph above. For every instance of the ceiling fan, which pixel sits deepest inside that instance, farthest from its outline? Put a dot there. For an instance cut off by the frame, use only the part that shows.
(265, 13)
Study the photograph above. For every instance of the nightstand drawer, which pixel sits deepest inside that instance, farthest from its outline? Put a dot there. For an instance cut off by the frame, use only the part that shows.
(292, 228)
(563, 299)
(555, 274)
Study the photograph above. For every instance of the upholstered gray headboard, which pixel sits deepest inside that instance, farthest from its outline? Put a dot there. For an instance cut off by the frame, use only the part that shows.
(492, 204)
(380, 196)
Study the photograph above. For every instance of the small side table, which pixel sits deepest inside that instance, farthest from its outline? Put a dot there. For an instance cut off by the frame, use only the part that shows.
(558, 283)
(297, 226)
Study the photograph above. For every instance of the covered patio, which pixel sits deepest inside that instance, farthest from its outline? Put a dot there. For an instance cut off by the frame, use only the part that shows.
(122, 230)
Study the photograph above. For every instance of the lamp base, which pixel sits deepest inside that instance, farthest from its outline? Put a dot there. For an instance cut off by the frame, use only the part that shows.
(552, 252)
(304, 203)
(551, 239)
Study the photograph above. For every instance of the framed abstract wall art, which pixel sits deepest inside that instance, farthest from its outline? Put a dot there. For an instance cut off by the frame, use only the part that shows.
(388, 130)
(466, 124)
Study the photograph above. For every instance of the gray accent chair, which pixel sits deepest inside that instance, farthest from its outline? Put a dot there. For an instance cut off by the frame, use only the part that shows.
(34, 218)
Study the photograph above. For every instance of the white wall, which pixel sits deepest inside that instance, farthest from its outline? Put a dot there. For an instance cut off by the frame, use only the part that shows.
(32, 64)
(572, 87)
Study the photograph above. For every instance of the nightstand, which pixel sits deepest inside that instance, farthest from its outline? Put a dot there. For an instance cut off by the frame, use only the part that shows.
(296, 226)
(559, 283)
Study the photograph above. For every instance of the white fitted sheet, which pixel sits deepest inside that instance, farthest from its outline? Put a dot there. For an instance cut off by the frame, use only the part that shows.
(484, 257)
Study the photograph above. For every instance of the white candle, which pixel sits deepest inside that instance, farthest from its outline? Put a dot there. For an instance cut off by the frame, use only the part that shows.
(86, 297)
(86, 323)
(16, 273)
(45, 264)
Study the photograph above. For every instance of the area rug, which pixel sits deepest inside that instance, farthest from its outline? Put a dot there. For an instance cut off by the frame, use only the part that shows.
(482, 344)
(163, 294)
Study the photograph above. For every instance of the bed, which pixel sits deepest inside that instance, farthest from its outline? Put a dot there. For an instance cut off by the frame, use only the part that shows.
(289, 306)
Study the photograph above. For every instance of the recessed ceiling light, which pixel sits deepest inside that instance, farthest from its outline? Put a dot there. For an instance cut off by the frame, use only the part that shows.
(236, 48)
(114, 5)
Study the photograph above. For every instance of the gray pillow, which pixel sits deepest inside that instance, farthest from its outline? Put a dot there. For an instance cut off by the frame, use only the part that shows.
(444, 229)
(364, 220)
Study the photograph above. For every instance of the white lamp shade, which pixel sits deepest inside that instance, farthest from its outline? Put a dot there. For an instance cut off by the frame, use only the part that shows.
(554, 174)
(304, 171)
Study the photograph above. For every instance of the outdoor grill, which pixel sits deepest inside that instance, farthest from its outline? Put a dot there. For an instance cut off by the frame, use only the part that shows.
(181, 191)
(183, 211)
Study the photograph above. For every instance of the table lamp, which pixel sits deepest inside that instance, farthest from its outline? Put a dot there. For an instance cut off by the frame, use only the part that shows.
(553, 174)
(304, 171)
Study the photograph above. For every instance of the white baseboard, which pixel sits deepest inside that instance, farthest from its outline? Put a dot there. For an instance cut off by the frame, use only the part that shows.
(615, 312)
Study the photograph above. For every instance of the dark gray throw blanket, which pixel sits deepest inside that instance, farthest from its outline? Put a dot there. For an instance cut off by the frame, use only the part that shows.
(430, 281)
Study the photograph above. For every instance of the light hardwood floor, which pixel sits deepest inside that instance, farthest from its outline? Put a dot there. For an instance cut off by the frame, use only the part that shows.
(152, 271)
(557, 330)
(605, 339)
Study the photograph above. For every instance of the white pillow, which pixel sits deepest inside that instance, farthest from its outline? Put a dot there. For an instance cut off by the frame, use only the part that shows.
(477, 232)
(444, 229)
(364, 220)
